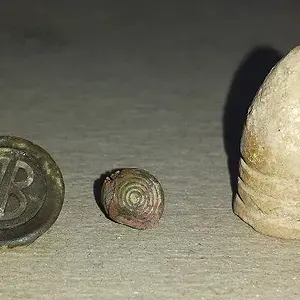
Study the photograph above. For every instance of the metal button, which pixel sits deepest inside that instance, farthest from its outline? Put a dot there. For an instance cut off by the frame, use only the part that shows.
(31, 191)
(133, 197)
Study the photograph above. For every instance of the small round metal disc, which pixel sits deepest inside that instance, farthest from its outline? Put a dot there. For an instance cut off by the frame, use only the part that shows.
(31, 191)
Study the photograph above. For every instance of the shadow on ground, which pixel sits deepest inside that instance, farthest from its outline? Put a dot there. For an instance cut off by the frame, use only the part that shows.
(246, 81)
(97, 187)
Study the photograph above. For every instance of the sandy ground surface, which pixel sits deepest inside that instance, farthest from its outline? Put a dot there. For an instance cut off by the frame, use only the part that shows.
(155, 85)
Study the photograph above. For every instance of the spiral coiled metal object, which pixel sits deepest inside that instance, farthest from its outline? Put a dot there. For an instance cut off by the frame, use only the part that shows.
(133, 197)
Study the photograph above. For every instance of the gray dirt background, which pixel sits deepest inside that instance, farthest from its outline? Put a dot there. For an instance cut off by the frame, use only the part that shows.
(149, 84)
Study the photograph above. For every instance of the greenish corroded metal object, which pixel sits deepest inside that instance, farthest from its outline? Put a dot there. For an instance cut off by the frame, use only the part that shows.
(31, 191)
(133, 197)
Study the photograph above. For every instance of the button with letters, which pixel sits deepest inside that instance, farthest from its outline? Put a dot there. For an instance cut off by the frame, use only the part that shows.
(31, 191)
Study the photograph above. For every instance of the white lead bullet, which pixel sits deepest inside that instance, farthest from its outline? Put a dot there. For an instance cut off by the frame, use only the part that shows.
(268, 196)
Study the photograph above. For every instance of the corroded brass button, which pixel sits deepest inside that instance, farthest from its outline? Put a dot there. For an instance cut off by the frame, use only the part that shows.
(133, 197)
(31, 191)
